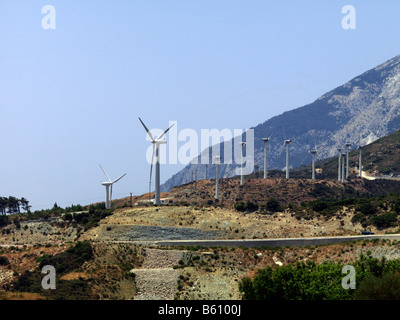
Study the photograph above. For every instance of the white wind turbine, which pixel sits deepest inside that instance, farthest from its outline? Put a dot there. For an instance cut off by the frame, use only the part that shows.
(287, 142)
(348, 144)
(265, 155)
(241, 165)
(343, 167)
(156, 142)
(109, 184)
(339, 164)
(313, 152)
(217, 159)
(359, 162)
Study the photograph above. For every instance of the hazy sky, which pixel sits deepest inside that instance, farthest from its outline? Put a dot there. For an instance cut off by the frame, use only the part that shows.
(70, 97)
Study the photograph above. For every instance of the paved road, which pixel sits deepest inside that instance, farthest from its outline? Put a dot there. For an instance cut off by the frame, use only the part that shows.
(282, 242)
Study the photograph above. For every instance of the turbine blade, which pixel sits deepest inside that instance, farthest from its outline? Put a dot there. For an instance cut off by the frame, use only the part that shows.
(158, 138)
(283, 147)
(105, 173)
(118, 179)
(147, 130)
(110, 195)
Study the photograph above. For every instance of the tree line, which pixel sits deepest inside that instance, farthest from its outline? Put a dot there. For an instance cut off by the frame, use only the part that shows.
(13, 205)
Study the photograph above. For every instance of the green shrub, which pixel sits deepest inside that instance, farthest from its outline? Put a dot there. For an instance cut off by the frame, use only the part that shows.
(386, 287)
(358, 218)
(240, 206)
(4, 261)
(367, 209)
(304, 281)
(375, 279)
(385, 220)
(273, 205)
(248, 206)
(319, 205)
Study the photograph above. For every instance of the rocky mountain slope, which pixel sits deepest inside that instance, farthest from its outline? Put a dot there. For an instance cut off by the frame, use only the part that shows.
(360, 111)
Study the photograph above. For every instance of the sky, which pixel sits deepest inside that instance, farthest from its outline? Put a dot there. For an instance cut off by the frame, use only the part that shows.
(71, 95)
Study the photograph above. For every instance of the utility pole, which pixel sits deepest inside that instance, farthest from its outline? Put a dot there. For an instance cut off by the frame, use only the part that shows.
(131, 199)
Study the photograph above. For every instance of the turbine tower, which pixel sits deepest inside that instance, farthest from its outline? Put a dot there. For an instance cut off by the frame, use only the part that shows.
(109, 184)
(360, 163)
(348, 144)
(265, 156)
(156, 143)
(343, 166)
(217, 158)
(339, 164)
(287, 142)
(313, 152)
(241, 165)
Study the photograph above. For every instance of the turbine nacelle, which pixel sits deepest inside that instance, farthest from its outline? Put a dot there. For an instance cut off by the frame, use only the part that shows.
(161, 141)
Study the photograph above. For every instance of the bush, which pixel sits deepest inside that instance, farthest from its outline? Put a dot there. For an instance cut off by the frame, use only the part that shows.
(376, 279)
(304, 281)
(358, 218)
(385, 220)
(367, 209)
(248, 206)
(319, 205)
(273, 205)
(4, 220)
(240, 206)
(4, 261)
(386, 287)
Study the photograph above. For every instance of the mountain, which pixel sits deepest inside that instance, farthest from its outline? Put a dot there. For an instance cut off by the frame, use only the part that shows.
(361, 111)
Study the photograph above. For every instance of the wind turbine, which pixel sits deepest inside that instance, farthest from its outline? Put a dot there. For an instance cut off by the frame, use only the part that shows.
(360, 162)
(287, 142)
(343, 167)
(156, 142)
(265, 156)
(348, 144)
(313, 152)
(339, 165)
(241, 165)
(109, 184)
(217, 158)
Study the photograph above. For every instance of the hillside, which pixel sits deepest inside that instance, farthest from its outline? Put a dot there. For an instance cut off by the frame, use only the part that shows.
(292, 191)
(380, 158)
(113, 254)
(361, 111)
